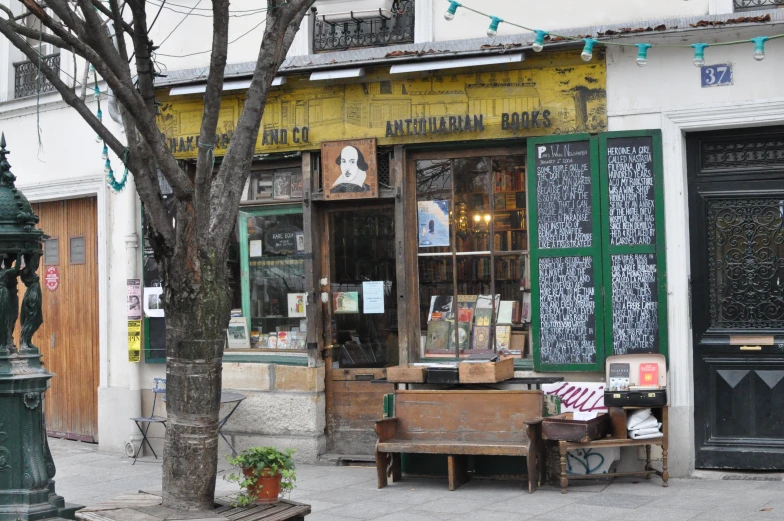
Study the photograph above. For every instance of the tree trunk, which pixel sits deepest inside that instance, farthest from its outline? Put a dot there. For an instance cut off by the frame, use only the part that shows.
(197, 305)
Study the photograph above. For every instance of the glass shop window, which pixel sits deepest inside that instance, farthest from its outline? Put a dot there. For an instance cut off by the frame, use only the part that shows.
(472, 255)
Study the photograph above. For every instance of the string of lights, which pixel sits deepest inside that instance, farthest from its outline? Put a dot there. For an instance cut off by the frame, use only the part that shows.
(589, 43)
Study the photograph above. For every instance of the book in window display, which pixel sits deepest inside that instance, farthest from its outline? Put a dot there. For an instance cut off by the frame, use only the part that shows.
(437, 335)
(503, 335)
(440, 308)
(296, 186)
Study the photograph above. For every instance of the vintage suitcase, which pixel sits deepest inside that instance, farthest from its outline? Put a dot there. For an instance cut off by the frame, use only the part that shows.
(442, 375)
(563, 427)
(625, 375)
(637, 398)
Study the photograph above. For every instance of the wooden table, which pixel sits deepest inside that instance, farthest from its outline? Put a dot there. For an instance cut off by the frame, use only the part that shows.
(566, 446)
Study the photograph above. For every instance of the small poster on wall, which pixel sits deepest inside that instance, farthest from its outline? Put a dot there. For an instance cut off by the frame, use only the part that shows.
(153, 306)
(345, 301)
(296, 185)
(433, 217)
(349, 168)
(282, 187)
(297, 304)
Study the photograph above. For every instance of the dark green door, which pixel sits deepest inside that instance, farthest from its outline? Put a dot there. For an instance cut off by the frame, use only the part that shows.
(736, 214)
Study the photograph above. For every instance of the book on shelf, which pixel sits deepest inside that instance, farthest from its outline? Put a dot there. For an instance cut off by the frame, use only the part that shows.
(440, 308)
(481, 338)
(520, 200)
(505, 312)
(437, 335)
(503, 335)
(525, 310)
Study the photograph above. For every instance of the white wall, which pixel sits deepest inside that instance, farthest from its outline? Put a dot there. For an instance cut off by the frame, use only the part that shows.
(556, 14)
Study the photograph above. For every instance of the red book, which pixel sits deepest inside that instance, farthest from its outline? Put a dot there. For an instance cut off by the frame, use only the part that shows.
(649, 375)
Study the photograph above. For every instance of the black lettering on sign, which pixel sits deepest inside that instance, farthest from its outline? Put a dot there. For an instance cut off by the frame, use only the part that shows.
(563, 194)
(567, 310)
(630, 169)
(635, 304)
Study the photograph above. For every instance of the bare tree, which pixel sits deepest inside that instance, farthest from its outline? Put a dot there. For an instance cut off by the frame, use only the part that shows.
(192, 255)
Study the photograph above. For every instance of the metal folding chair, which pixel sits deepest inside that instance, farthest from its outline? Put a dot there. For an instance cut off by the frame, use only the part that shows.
(144, 422)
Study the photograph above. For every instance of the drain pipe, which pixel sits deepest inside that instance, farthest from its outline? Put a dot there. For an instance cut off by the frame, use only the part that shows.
(132, 272)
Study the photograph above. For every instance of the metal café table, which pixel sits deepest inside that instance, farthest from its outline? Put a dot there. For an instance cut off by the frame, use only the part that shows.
(228, 398)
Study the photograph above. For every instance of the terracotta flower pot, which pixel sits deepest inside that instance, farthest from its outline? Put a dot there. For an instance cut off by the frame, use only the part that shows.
(267, 486)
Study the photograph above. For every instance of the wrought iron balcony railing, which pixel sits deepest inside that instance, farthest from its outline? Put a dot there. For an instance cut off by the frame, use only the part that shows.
(750, 5)
(369, 32)
(26, 76)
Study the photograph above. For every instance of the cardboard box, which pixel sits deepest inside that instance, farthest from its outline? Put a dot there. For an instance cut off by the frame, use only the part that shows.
(486, 372)
(406, 374)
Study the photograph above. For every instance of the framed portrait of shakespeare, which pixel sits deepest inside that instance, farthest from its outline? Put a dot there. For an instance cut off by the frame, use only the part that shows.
(349, 169)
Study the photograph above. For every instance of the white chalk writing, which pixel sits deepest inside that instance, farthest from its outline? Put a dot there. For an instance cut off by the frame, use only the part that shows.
(567, 310)
(563, 195)
(630, 171)
(635, 307)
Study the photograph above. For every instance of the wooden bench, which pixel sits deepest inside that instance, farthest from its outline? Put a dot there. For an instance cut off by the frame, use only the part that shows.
(459, 424)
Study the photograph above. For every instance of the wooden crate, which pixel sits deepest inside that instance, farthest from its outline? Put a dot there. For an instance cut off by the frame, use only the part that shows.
(563, 427)
(486, 372)
(406, 374)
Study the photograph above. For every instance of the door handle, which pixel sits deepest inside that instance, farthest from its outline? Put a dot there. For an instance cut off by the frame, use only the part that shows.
(751, 348)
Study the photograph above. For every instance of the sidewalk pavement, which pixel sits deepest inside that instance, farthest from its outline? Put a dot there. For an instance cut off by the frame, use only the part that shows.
(87, 476)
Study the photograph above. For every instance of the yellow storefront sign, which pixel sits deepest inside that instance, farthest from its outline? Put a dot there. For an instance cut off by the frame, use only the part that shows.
(134, 340)
(543, 95)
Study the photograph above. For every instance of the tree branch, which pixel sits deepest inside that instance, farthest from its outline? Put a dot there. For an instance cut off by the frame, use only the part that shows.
(118, 21)
(70, 98)
(212, 104)
(235, 167)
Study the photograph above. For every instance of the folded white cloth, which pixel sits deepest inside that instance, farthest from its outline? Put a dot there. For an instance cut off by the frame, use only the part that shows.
(647, 423)
(642, 432)
(636, 436)
(637, 417)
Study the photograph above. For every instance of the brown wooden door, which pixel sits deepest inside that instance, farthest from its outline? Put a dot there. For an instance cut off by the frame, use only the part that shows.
(360, 247)
(68, 338)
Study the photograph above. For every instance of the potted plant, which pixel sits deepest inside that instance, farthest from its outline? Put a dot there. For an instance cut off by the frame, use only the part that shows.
(265, 473)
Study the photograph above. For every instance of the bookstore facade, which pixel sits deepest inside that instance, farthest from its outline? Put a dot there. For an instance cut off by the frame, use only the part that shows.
(429, 216)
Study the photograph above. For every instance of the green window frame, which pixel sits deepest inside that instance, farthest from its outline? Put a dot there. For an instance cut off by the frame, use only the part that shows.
(601, 250)
(243, 217)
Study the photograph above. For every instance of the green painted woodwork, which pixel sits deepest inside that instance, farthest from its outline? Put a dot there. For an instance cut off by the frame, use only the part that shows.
(658, 248)
(265, 359)
(601, 249)
(26, 465)
(536, 253)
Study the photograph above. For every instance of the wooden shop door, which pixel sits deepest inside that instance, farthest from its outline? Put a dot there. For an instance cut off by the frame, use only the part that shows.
(359, 248)
(68, 338)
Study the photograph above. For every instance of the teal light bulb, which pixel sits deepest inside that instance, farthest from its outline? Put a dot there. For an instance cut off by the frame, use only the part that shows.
(493, 29)
(759, 47)
(587, 53)
(699, 54)
(539, 42)
(449, 15)
(642, 53)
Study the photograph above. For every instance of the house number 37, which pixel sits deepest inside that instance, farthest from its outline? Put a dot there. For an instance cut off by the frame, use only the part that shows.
(716, 75)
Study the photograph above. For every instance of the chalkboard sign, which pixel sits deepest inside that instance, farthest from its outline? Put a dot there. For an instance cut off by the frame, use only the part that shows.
(567, 310)
(563, 194)
(630, 172)
(635, 297)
